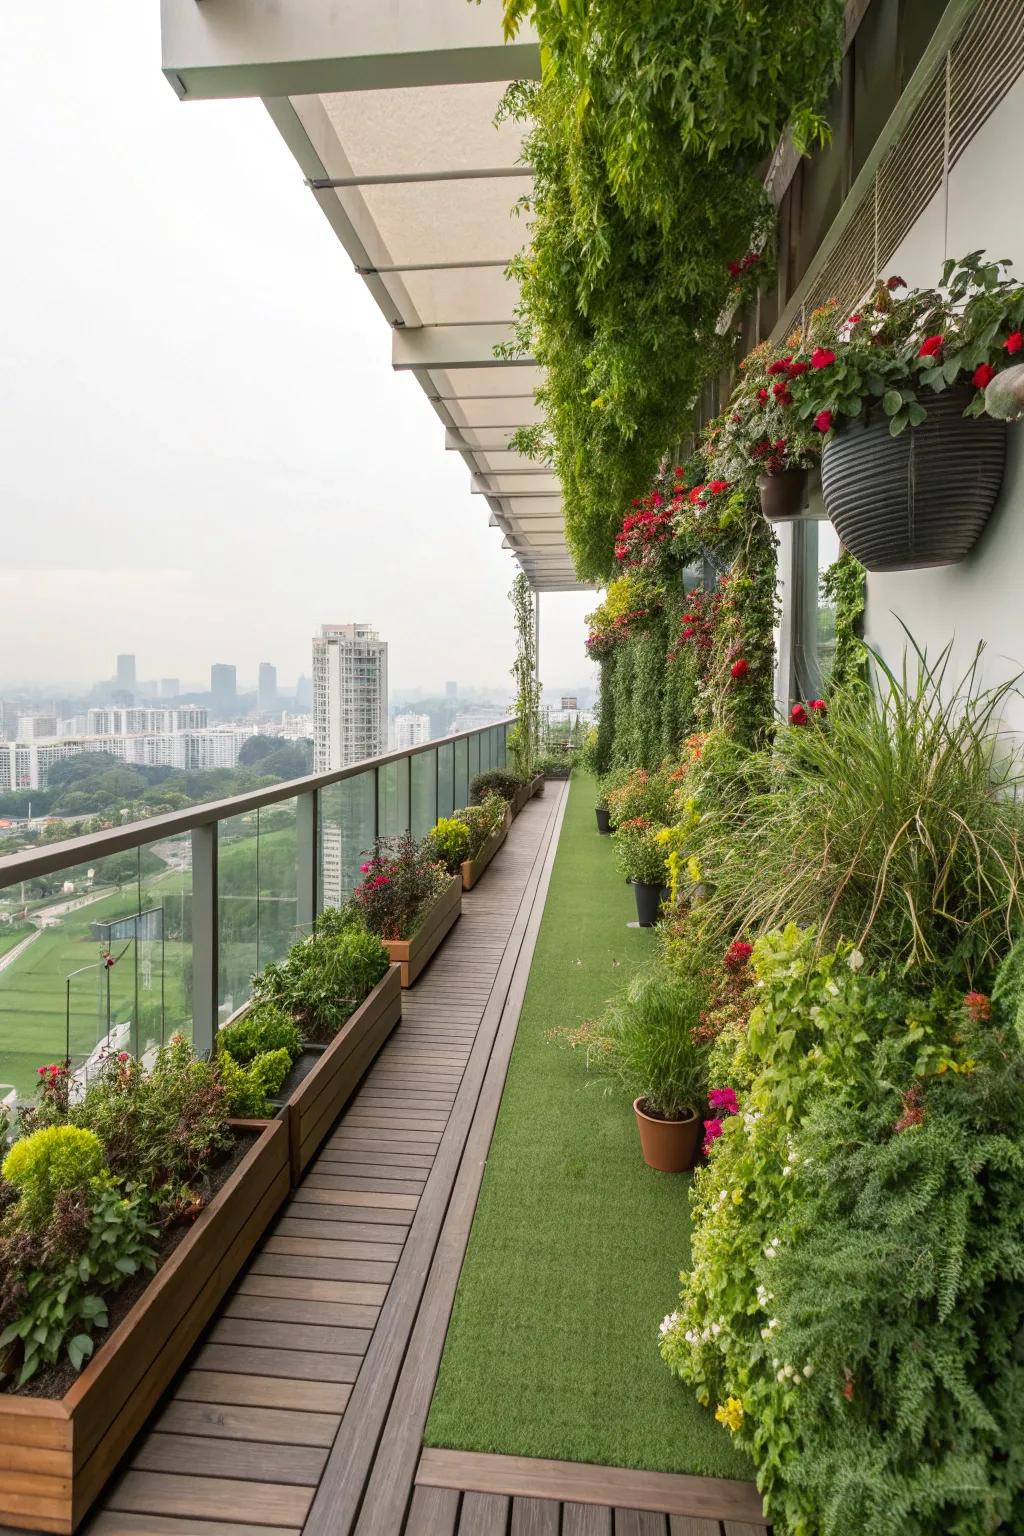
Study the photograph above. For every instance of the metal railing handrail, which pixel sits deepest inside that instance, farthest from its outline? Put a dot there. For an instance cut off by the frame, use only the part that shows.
(30, 863)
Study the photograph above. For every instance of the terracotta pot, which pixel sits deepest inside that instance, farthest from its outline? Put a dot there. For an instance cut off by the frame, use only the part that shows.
(648, 902)
(783, 496)
(668, 1145)
(601, 812)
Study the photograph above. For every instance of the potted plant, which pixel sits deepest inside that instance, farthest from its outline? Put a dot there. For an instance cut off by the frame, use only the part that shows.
(912, 465)
(649, 1040)
(762, 440)
(314, 1024)
(641, 860)
(119, 1237)
(409, 900)
(601, 812)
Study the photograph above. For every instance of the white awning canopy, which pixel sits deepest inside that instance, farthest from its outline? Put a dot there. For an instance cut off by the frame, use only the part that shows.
(388, 107)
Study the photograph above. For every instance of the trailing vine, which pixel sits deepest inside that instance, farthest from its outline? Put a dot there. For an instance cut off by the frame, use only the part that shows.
(844, 586)
(524, 738)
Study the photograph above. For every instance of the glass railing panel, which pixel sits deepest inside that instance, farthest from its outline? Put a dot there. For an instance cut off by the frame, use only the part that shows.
(473, 742)
(237, 909)
(165, 940)
(277, 871)
(446, 779)
(424, 792)
(347, 824)
(393, 798)
(500, 751)
(461, 773)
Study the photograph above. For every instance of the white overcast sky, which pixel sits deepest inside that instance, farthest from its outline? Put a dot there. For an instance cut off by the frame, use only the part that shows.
(204, 453)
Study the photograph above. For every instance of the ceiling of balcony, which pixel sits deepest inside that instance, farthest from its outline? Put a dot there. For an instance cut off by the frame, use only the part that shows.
(389, 111)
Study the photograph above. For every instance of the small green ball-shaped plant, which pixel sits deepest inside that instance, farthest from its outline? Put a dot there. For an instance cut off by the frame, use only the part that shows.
(448, 843)
(50, 1162)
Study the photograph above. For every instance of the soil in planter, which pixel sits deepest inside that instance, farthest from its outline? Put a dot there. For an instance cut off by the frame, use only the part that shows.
(58, 1379)
(301, 1068)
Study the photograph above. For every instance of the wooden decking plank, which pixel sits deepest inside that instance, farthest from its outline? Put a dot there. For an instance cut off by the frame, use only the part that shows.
(640, 1522)
(382, 1183)
(208, 1386)
(315, 1288)
(433, 1512)
(324, 1246)
(484, 1514)
(211, 1498)
(252, 1461)
(284, 1309)
(301, 1266)
(293, 1363)
(119, 1523)
(226, 1421)
(588, 1520)
(329, 1338)
(536, 1517)
(688, 1525)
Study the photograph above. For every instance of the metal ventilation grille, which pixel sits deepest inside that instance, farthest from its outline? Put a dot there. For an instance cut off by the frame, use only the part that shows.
(965, 88)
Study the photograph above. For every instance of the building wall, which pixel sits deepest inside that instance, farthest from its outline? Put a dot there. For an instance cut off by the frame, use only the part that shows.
(982, 598)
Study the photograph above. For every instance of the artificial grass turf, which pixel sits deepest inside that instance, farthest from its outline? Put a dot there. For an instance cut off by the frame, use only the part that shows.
(576, 1245)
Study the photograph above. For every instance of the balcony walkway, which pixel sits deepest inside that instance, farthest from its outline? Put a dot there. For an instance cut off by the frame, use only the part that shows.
(302, 1411)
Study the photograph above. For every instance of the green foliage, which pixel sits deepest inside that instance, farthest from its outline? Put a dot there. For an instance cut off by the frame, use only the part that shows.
(555, 765)
(265, 1027)
(58, 1309)
(524, 738)
(893, 824)
(448, 843)
(639, 856)
(499, 782)
(1008, 991)
(248, 1089)
(59, 1159)
(844, 586)
(645, 1041)
(641, 793)
(400, 880)
(482, 821)
(323, 979)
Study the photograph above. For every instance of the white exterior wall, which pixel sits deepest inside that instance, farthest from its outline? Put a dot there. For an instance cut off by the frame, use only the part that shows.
(350, 696)
(409, 730)
(981, 598)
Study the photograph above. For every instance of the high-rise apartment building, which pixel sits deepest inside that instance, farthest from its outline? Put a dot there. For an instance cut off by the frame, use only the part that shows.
(266, 690)
(224, 688)
(125, 675)
(35, 726)
(409, 730)
(350, 723)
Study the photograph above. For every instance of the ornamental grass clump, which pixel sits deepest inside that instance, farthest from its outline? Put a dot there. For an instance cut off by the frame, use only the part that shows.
(648, 1041)
(893, 822)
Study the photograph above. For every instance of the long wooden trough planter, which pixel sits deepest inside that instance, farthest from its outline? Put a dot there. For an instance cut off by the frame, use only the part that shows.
(314, 1105)
(413, 954)
(525, 795)
(57, 1453)
(473, 868)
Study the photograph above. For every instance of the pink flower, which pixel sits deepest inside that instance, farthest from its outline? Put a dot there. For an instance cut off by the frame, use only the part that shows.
(823, 421)
(819, 706)
(364, 868)
(712, 1131)
(821, 357)
(737, 955)
(724, 1098)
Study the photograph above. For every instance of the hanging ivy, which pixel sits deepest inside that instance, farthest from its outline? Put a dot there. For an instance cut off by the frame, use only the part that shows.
(844, 586)
(524, 738)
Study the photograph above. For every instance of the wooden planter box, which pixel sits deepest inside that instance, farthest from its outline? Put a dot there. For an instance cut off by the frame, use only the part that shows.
(526, 794)
(413, 954)
(472, 869)
(57, 1453)
(314, 1105)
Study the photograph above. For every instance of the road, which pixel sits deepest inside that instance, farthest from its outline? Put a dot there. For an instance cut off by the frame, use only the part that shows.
(19, 949)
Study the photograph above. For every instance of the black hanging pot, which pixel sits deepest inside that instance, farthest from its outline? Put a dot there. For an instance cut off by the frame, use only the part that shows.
(919, 499)
(648, 902)
(783, 496)
(601, 812)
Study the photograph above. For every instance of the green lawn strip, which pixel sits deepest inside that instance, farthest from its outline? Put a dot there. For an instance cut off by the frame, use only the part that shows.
(576, 1245)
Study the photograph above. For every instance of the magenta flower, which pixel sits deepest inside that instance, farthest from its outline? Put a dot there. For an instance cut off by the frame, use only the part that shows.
(724, 1098)
(365, 869)
(712, 1131)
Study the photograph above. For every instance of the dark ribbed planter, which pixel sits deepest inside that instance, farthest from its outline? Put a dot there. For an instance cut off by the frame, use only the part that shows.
(601, 812)
(920, 499)
(783, 496)
(648, 902)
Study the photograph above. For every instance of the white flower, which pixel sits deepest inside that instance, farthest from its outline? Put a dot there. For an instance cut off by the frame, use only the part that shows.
(668, 1323)
(808, 1370)
(780, 1375)
(770, 1251)
(691, 1337)
(766, 1333)
(773, 1322)
(855, 960)
(716, 1329)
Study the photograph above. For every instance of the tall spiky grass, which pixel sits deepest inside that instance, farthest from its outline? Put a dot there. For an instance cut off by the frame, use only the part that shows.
(897, 825)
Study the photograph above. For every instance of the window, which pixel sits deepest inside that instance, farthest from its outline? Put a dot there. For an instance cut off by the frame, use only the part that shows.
(815, 548)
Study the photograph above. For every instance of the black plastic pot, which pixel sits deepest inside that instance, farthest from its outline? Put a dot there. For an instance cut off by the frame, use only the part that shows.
(783, 496)
(648, 902)
(601, 812)
(920, 499)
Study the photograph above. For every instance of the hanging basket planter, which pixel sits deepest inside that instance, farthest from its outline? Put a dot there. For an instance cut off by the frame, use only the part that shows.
(783, 496)
(919, 499)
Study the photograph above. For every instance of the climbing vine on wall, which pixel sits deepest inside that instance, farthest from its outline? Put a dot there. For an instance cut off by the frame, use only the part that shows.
(844, 586)
(524, 738)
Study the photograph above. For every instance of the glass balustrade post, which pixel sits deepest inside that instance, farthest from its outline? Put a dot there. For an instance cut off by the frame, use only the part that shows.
(204, 937)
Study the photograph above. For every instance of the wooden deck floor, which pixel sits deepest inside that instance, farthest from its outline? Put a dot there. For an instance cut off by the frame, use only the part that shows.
(302, 1412)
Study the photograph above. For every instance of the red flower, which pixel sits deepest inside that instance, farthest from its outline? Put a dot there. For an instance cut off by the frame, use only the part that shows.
(1014, 342)
(712, 1131)
(696, 494)
(913, 1111)
(762, 395)
(821, 357)
(739, 669)
(853, 320)
(715, 486)
(734, 269)
(737, 955)
(931, 346)
(819, 706)
(823, 421)
(688, 632)
(781, 365)
(781, 392)
(848, 1384)
(798, 715)
(895, 282)
(982, 375)
(796, 369)
(979, 1006)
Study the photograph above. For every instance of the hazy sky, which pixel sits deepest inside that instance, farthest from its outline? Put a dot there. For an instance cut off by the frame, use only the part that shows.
(204, 452)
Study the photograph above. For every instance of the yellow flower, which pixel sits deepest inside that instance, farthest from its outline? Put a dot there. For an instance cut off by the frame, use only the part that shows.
(730, 1413)
(693, 868)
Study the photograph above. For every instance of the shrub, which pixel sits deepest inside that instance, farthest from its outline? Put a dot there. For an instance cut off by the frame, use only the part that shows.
(640, 793)
(332, 922)
(648, 1040)
(264, 1028)
(482, 821)
(448, 843)
(895, 825)
(57, 1160)
(499, 781)
(638, 853)
(248, 1088)
(555, 765)
(322, 981)
(400, 880)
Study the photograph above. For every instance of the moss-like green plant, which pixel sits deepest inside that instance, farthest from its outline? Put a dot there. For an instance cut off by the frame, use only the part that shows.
(264, 1028)
(51, 1162)
(248, 1089)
